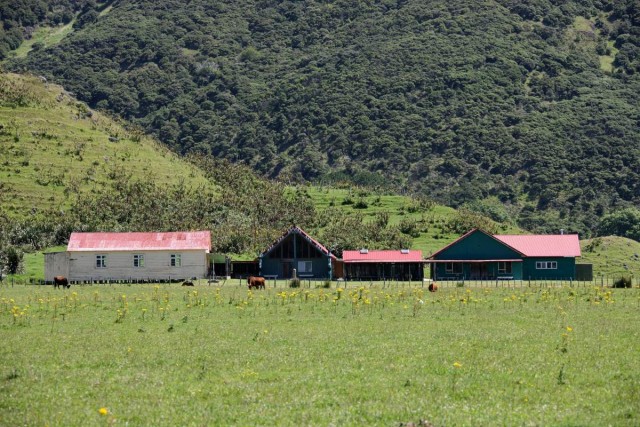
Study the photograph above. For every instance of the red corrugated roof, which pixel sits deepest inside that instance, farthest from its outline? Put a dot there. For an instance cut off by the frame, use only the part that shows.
(551, 245)
(444, 261)
(381, 256)
(179, 240)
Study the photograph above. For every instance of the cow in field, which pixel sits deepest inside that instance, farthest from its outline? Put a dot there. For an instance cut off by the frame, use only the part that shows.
(187, 283)
(61, 281)
(256, 282)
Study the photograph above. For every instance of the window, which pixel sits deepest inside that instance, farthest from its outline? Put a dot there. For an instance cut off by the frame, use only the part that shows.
(453, 267)
(176, 260)
(138, 260)
(101, 261)
(504, 267)
(546, 265)
(305, 266)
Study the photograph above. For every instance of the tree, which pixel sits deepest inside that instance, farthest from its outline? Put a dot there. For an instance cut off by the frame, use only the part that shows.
(12, 259)
(624, 223)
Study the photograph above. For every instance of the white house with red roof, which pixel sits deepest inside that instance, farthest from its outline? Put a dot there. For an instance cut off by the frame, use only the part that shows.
(480, 255)
(402, 264)
(135, 256)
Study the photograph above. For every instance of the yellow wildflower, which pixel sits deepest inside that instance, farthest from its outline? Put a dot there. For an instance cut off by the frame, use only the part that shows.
(103, 411)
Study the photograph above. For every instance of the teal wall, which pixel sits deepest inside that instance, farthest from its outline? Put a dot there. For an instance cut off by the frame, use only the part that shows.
(478, 245)
(273, 267)
(566, 269)
(492, 271)
(290, 251)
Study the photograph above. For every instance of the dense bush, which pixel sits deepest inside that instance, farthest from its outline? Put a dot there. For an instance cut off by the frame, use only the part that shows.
(623, 282)
(462, 101)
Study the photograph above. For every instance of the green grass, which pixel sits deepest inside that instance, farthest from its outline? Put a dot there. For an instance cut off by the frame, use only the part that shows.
(612, 256)
(370, 356)
(50, 36)
(50, 147)
(606, 61)
(581, 23)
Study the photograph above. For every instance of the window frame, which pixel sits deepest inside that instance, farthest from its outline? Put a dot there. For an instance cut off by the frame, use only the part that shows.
(138, 260)
(505, 267)
(306, 264)
(453, 268)
(175, 260)
(101, 261)
(546, 265)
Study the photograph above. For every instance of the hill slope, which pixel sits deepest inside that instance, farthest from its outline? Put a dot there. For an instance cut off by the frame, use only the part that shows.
(533, 103)
(52, 146)
(612, 256)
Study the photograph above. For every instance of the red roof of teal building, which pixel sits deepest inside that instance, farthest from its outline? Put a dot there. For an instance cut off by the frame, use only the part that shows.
(543, 245)
(398, 256)
(532, 245)
(138, 241)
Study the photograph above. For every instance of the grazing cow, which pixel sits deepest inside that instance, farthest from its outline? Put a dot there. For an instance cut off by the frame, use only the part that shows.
(256, 282)
(61, 281)
(187, 283)
(433, 287)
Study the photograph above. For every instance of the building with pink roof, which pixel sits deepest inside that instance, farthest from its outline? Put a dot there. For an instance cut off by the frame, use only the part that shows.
(401, 264)
(134, 256)
(480, 255)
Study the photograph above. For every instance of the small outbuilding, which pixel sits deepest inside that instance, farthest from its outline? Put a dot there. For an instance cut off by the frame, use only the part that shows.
(478, 255)
(402, 264)
(133, 256)
(296, 250)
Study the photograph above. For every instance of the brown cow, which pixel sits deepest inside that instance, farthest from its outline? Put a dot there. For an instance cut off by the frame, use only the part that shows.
(61, 281)
(256, 282)
(433, 287)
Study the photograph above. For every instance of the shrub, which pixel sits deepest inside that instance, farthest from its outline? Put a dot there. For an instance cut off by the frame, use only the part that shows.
(361, 204)
(326, 284)
(622, 282)
(294, 283)
(12, 258)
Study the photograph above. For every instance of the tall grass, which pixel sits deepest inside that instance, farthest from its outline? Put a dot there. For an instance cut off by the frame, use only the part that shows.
(221, 355)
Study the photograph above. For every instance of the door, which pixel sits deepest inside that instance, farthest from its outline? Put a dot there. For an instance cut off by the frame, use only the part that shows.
(479, 270)
(287, 269)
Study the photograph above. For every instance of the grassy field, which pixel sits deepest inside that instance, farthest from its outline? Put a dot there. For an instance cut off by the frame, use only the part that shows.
(166, 355)
(52, 145)
(612, 256)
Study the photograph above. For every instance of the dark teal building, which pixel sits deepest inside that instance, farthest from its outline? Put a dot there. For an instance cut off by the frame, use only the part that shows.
(478, 255)
(295, 249)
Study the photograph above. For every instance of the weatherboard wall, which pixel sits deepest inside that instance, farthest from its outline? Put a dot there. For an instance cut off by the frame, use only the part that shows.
(120, 266)
(55, 264)
(566, 269)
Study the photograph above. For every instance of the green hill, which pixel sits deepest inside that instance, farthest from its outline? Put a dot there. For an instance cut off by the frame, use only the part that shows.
(612, 256)
(533, 104)
(53, 146)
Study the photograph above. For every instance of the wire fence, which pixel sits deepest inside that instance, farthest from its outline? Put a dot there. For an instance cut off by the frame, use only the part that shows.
(601, 280)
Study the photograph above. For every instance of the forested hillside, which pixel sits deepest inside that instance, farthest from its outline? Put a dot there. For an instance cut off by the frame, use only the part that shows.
(525, 111)
(65, 167)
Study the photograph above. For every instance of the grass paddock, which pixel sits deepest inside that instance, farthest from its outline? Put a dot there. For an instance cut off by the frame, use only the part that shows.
(360, 355)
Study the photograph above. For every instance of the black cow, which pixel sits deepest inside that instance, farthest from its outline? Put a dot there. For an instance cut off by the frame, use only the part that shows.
(61, 281)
